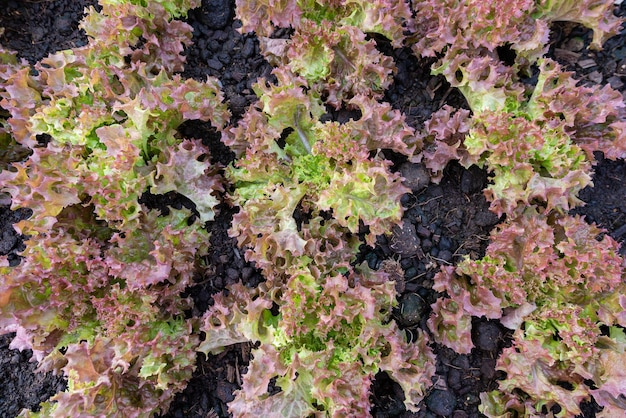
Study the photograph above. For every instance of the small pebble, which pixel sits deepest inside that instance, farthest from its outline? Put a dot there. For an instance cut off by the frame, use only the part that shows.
(220, 35)
(416, 176)
(485, 336)
(445, 243)
(473, 179)
(461, 362)
(404, 239)
(441, 402)
(488, 368)
(445, 255)
(248, 48)
(373, 261)
(247, 272)
(232, 274)
(229, 45)
(223, 58)
(410, 273)
(423, 232)
(214, 45)
(224, 391)
(455, 378)
(412, 308)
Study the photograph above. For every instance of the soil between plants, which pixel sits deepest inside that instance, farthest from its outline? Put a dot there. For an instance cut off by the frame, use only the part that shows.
(442, 222)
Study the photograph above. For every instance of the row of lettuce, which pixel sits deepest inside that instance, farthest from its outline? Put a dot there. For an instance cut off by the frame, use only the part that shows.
(97, 294)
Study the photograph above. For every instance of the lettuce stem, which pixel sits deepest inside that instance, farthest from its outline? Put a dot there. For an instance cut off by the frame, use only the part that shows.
(301, 133)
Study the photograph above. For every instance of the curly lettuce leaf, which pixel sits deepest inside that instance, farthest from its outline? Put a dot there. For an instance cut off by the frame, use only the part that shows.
(266, 228)
(124, 376)
(124, 24)
(156, 249)
(537, 260)
(294, 399)
(186, 173)
(530, 162)
(20, 95)
(539, 145)
(595, 15)
(324, 345)
(385, 17)
(41, 183)
(366, 192)
(552, 280)
(453, 26)
(340, 62)
(592, 114)
(530, 368)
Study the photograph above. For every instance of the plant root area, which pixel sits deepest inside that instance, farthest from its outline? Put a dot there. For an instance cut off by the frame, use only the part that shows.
(442, 222)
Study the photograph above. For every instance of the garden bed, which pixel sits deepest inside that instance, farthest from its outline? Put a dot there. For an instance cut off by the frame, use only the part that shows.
(442, 223)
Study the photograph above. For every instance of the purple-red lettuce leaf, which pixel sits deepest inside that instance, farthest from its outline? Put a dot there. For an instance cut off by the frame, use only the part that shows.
(531, 263)
(238, 315)
(157, 249)
(538, 144)
(263, 16)
(292, 109)
(560, 359)
(531, 370)
(339, 62)
(132, 375)
(364, 192)
(443, 136)
(485, 81)
(69, 286)
(555, 283)
(290, 105)
(188, 171)
(19, 95)
(47, 294)
(382, 127)
(252, 131)
(322, 166)
(110, 175)
(609, 377)
(10, 150)
(124, 24)
(106, 126)
(529, 162)
(385, 17)
(266, 229)
(536, 259)
(329, 338)
(595, 15)
(294, 399)
(453, 26)
(106, 313)
(451, 319)
(592, 114)
(451, 325)
(48, 181)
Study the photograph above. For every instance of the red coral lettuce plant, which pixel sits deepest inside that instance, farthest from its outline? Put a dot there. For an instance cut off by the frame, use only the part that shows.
(97, 295)
(554, 280)
(558, 287)
(306, 188)
(324, 325)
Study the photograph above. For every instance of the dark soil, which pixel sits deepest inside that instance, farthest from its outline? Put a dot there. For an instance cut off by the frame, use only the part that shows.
(442, 222)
